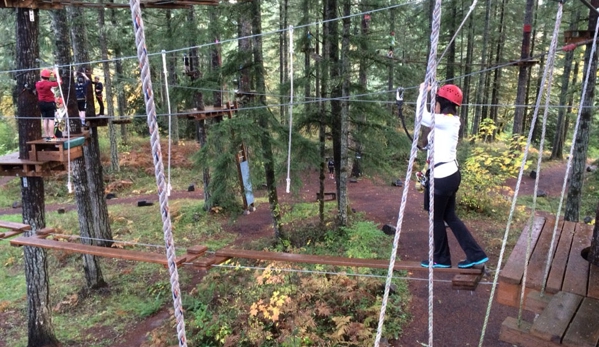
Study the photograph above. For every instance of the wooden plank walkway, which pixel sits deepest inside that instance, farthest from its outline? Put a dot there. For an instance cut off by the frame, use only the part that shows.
(12, 165)
(118, 253)
(336, 261)
(568, 311)
(569, 272)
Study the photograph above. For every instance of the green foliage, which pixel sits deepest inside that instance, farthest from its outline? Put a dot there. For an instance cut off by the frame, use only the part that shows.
(274, 307)
(486, 169)
(9, 137)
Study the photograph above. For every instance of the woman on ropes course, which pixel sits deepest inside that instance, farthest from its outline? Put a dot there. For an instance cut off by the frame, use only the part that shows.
(447, 179)
(46, 102)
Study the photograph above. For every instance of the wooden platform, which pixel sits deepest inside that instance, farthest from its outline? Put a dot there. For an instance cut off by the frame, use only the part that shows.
(56, 150)
(211, 112)
(122, 120)
(569, 271)
(14, 228)
(566, 320)
(118, 253)
(97, 121)
(12, 165)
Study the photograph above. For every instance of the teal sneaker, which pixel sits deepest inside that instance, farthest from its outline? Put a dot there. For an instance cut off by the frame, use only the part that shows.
(465, 264)
(424, 263)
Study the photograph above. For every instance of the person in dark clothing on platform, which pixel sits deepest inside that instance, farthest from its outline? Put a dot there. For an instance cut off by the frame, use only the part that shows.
(98, 89)
(82, 81)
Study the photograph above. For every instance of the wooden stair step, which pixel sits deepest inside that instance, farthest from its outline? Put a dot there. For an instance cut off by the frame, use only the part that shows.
(519, 335)
(535, 302)
(551, 325)
(584, 329)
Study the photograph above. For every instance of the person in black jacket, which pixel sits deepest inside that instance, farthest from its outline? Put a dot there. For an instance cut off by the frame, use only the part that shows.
(98, 89)
(82, 81)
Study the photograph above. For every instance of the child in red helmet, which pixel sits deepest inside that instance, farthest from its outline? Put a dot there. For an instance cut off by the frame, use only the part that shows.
(46, 103)
(447, 178)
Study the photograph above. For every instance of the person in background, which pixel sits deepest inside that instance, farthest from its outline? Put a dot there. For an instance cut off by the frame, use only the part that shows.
(81, 83)
(46, 102)
(447, 179)
(98, 89)
(331, 165)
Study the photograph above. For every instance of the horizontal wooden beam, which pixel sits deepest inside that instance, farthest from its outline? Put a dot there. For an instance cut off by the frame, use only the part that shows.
(337, 261)
(14, 225)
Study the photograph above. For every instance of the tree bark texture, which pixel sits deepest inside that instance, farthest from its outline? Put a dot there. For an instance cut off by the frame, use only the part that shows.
(523, 70)
(345, 93)
(267, 152)
(482, 79)
(581, 142)
(171, 66)
(40, 331)
(90, 224)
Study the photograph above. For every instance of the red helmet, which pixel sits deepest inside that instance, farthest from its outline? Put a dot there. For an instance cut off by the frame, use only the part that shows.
(46, 73)
(452, 93)
(59, 101)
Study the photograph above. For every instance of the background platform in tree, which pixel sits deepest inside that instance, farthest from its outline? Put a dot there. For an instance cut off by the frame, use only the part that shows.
(12, 165)
(211, 112)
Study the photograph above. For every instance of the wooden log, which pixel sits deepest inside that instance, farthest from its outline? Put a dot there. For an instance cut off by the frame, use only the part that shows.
(551, 325)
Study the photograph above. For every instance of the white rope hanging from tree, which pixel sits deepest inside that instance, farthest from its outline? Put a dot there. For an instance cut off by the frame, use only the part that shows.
(170, 116)
(290, 107)
(142, 55)
(428, 83)
(64, 104)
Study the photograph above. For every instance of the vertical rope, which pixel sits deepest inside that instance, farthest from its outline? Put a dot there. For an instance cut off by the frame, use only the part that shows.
(458, 30)
(170, 116)
(158, 166)
(290, 107)
(508, 225)
(571, 156)
(64, 104)
(430, 77)
(545, 83)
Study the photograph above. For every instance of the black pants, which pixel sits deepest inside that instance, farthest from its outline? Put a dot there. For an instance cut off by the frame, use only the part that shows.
(100, 100)
(445, 203)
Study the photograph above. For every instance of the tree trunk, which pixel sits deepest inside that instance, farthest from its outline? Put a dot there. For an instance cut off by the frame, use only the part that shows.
(103, 40)
(467, 80)
(482, 79)
(560, 131)
(283, 54)
(39, 322)
(594, 250)
(497, 77)
(581, 142)
(344, 119)
(523, 70)
(269, 164)
(118, 66)
(171, 65)
(91, 225)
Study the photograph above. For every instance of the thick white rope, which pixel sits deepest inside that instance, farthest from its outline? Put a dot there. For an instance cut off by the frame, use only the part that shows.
(290, 107)
(428, 83)
(507, 230)
(545, 87)
(64, 104)
(168, 103)
(144, 63)
(571, 156)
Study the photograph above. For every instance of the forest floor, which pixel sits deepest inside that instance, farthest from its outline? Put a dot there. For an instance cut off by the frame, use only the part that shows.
(458, 314)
